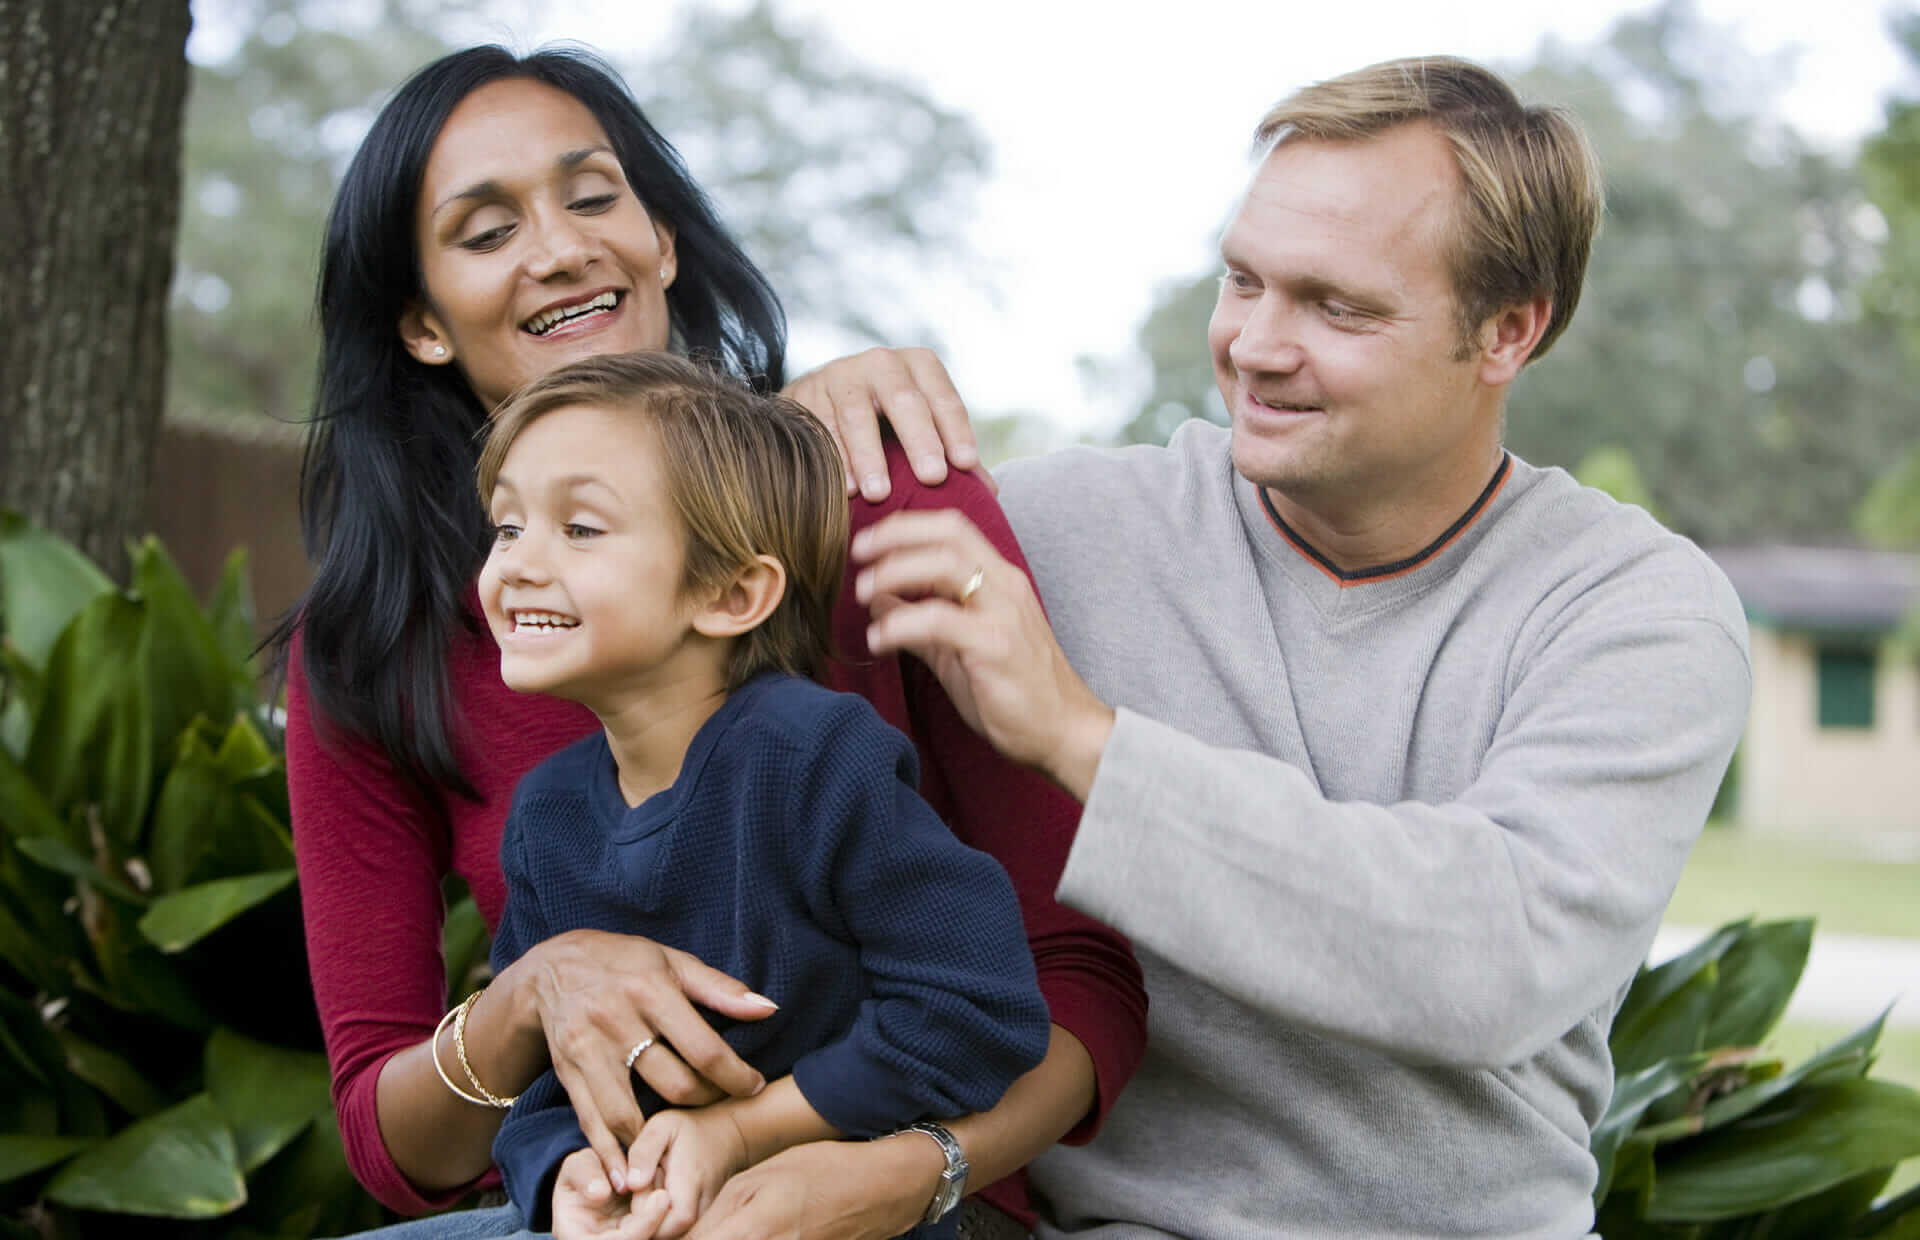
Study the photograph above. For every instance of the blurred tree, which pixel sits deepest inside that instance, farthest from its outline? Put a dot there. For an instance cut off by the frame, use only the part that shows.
(90, 130)
(1612, 469)
(841, 182)
(1721, 338)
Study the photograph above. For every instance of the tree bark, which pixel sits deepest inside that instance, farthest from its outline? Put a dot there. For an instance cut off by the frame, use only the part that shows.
(92, 96)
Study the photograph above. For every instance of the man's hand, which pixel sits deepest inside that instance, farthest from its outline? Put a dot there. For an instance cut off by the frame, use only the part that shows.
(690, 1154)
(585, 1205)
(912, 391)
(939, 590)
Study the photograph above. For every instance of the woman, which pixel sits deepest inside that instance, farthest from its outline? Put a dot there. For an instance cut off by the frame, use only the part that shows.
(502, 216)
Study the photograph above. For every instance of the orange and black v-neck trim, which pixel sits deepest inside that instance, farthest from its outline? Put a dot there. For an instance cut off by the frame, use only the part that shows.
(1365, 576)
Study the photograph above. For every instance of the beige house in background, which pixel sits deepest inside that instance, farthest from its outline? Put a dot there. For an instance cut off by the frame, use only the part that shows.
(1833, 743)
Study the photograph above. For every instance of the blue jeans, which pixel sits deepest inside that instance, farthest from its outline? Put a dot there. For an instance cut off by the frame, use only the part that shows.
(496, 1223)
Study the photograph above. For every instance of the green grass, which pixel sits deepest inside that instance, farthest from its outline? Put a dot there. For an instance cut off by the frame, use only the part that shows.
(1898, 1061)
(1731, 875)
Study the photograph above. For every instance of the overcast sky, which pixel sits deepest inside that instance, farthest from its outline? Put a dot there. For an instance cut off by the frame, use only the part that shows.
(1120, 142)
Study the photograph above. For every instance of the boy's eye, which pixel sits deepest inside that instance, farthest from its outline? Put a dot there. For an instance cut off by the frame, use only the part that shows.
(576, 530)
(504, 533)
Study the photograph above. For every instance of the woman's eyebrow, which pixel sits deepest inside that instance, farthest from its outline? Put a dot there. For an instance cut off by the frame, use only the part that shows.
(490, 188)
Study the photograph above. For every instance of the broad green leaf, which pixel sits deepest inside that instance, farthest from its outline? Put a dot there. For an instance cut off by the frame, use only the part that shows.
(230, 611)
(1897, 1218)
(206, 822)
(1671, 1027)
(307, 1190)
(1846, 1059)
(22, 1155)
(189, 673)
(1632, 1095)
(463, 944)
(110, 1074)
(63, 858)
(181, 1163)
(268, 1094)
(23, 811)
(93, 740)
(1822, 1216)
(136, 977)
(1654, 987)
(1758, 972)
(1802, 1144)
(19, 699)
(44, 582)
(178, 921)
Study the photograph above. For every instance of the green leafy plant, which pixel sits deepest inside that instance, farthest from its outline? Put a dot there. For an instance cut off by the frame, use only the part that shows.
(1709, 1138)
(159, 1052)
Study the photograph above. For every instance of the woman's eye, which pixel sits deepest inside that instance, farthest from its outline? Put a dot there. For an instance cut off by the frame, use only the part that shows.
(491, 239)
(594, 204)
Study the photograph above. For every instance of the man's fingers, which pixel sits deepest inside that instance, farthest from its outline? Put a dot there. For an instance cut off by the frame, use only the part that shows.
(949, 412)
(920, 628)
(937, 569)
(918, 528)
(856, 417)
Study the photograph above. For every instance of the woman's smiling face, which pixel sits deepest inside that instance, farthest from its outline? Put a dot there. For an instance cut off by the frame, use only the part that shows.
(534, 250)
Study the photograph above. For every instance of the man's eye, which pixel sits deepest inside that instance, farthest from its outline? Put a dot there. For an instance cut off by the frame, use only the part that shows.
(1237, 281)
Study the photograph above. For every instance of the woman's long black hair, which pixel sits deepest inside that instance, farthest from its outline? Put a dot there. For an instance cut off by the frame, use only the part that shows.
(392, 524)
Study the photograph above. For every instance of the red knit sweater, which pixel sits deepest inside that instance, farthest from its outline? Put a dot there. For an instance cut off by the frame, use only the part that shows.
(371, 859)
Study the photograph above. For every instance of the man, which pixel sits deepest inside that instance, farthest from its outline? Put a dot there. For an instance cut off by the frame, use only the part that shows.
(1391, 745)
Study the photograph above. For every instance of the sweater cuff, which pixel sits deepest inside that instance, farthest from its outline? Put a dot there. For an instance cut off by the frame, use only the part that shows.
(373, 1166)
(1107, 850)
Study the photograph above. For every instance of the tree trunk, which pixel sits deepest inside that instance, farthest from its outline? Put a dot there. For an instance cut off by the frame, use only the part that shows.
(92, 95)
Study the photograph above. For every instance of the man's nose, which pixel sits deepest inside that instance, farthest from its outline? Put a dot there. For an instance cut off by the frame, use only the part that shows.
(1269, 337)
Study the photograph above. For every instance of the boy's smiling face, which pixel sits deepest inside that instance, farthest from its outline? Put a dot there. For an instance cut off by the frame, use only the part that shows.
(583, 587)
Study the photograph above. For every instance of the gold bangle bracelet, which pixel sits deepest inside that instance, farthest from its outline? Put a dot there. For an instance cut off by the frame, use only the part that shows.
(433, 1050)
(460, 1044)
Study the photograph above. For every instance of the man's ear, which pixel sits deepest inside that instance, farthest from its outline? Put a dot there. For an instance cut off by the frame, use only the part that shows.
(424, 336)
(745, 601)
(1509, 338)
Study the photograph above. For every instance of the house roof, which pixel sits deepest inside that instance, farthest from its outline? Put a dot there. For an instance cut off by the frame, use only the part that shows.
(1832, 589)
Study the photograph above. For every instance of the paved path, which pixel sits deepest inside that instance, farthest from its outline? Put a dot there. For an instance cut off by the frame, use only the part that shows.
(1849, 977)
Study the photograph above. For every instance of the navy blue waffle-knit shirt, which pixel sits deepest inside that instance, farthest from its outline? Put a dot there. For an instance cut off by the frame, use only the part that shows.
(793, 853)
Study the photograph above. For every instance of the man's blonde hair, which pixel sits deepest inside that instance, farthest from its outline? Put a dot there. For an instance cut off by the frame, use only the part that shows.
(1532, 188)
(750, 475)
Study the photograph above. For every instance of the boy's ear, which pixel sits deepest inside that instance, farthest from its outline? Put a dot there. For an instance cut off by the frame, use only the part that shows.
(745, 601)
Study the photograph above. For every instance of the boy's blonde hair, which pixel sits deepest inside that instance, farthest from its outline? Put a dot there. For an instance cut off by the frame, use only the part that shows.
(749, 474)
(1532, 194)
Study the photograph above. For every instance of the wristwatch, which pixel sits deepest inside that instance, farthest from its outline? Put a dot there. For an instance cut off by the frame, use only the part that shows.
(953, 1181)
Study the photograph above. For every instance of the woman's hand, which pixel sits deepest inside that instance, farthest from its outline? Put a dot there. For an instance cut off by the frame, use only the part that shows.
(828, 1190)
(910, 388)
(597, 996)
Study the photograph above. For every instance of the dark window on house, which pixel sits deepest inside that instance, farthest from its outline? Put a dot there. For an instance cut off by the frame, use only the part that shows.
(1846, 687)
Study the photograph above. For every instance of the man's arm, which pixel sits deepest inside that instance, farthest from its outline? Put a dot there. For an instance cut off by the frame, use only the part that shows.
(1491, 923)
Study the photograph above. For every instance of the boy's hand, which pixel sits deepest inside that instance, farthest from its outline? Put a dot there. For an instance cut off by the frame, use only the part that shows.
(585, 1206)
(690, 1154)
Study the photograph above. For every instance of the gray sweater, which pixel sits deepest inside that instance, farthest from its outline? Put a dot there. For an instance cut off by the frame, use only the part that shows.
(1389, 852)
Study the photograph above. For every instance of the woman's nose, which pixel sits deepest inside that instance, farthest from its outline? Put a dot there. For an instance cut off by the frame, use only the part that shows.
(560, 247)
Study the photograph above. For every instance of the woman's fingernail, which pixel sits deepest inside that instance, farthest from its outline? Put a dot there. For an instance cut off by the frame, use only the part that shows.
(934, 465)
(875, 486)
(762, 1000)
(619, 1182)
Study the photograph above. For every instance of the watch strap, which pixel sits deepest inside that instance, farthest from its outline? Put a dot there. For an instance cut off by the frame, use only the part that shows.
(953, 1180)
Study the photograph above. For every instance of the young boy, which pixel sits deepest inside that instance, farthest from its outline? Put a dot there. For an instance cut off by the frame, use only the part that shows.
(668, 548)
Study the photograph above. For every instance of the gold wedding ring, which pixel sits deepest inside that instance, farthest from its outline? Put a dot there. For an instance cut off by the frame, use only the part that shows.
(973, 585)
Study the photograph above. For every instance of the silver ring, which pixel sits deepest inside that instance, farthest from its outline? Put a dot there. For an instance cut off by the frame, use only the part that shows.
(638, 1049)
(973, 584)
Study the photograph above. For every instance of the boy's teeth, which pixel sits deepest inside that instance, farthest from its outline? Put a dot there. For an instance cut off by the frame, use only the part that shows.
(542, 620)
(544, 322)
